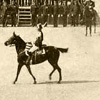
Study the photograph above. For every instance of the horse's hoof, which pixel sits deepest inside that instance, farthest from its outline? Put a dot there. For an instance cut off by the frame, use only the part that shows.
(59, 82)
(50, 78)
(14, 82)
(35, 82)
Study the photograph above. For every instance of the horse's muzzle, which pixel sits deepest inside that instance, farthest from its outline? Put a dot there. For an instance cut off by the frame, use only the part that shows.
(6, 43)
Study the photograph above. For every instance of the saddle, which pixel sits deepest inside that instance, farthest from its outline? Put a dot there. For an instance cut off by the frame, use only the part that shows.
(41, 51)
(38, 51)
(37, 54)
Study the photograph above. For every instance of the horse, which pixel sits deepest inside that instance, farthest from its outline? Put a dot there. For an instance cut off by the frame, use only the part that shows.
(51, 54)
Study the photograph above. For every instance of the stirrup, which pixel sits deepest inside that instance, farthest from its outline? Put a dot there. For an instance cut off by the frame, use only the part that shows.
(26, 53)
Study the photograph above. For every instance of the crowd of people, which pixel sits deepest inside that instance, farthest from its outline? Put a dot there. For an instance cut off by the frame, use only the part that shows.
(63, 12)
(8, 12)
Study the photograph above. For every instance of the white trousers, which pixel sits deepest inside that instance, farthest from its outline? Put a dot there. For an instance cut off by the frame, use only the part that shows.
(31, 50)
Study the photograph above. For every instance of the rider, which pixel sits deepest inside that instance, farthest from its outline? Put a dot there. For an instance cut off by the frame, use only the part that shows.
(37, 44)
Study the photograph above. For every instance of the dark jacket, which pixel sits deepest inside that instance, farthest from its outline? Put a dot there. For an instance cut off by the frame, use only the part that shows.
(33, 8)
(39, 40)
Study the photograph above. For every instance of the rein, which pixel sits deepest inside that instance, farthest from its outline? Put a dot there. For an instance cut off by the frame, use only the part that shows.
(12, 45)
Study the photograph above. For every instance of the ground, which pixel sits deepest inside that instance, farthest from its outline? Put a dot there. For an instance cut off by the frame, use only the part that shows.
(80, 66)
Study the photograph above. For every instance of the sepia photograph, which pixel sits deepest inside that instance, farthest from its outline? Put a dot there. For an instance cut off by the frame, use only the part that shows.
(49, 50)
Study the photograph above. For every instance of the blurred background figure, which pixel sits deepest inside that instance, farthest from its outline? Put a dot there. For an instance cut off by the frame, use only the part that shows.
(39, 15)
(14, 11)
(33, 12)
(45, 13)
(55, 14)
(65, 13)
(74, 13)
(3, 13)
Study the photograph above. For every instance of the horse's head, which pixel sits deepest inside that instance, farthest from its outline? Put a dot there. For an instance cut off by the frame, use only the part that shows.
(12, 40)
(17, 41)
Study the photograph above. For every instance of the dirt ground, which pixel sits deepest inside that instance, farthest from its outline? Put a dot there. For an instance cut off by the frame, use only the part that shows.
(80, 66)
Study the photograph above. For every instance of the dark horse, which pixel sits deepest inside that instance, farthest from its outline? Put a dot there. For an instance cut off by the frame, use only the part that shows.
(51, 54)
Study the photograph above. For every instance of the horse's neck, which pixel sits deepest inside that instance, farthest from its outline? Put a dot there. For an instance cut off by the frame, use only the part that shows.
(20, 46)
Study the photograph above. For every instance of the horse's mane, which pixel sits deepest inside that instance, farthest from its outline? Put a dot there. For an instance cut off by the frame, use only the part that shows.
(21, 44)
(20, 40)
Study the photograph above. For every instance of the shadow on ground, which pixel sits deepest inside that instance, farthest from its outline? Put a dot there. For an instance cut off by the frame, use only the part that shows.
(70, 82)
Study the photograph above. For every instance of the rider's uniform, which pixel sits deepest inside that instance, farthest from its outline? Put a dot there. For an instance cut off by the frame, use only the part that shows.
(37, 44)
(35, 47)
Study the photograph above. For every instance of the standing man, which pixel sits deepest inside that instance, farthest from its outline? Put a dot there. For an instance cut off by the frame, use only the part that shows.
(64, 14)
(60, 13)
(45, 14)
(55, 14)
(88, 19)
(50, 13)
(74, 14)
(4, 16)
(14, 10)
(39, 16)
(33, 12)
(36, 12)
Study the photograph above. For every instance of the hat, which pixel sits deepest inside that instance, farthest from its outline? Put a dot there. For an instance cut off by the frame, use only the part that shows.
(39, 26)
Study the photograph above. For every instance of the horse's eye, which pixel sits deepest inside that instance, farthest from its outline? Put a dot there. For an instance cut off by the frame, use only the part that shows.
(14, 41)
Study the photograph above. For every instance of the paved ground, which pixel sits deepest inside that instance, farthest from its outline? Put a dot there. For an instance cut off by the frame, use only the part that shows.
(80, 66)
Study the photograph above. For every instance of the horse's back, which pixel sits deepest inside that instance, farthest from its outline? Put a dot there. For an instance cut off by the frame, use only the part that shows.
(46, 53)
(39, 56)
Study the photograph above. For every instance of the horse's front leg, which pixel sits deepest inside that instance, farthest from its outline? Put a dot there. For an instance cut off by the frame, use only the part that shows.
(29, 69)
(18, 71)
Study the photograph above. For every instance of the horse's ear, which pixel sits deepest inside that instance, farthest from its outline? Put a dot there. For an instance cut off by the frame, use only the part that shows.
(14, 34)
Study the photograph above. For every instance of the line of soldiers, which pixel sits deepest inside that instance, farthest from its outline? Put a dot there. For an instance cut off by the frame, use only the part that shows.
(72, 10)
(43, 13)
(52, 13)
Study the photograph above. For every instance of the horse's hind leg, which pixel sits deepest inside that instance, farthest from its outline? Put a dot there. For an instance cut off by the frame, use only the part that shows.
(60, 76)
(55, 66)
(29, 69)
(18, 71)
(51, 73)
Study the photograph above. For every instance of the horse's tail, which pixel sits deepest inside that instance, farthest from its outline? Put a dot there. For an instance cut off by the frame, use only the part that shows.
(63, 50)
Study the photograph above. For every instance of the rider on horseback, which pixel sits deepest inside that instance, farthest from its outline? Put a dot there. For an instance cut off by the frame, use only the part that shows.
(37, 44)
